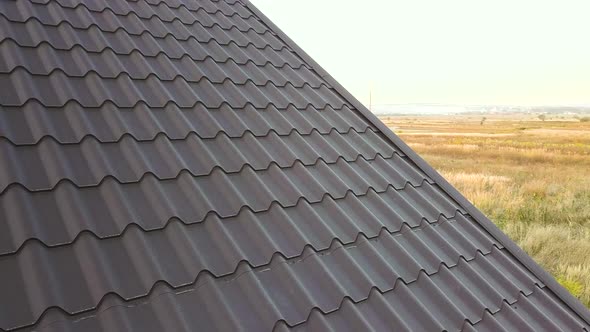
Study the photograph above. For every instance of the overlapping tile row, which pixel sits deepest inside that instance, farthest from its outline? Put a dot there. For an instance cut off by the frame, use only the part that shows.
(64, 36)
(179, 261)
(228, 7)
(91, 161)
(315, 224)
(198, 44)
(529, 313)
(138, 67)
(109, 62)
(108, 208)
(174, 165)
(367, 257)
(448, 300)
(31, 123)
(183, 90)
(365, 213)
(294, 291)
(93, 91)
(218, 74)
(177, 21)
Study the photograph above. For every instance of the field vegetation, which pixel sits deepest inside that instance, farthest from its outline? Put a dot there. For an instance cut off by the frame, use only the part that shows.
(529, 175)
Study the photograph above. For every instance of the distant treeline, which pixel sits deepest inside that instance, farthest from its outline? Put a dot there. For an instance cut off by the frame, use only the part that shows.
(561, 109)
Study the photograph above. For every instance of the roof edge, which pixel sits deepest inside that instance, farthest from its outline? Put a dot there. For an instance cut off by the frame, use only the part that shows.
(449, 189)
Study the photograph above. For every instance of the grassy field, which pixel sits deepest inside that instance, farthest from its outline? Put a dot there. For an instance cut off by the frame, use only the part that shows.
(531, 177)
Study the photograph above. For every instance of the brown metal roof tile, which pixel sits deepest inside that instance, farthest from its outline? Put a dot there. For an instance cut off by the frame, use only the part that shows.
(128, 160)
(111, 19)
(130, 268)
(183, 165)
(31, 123)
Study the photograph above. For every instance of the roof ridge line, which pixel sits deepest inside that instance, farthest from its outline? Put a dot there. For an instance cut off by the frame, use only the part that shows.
(335, 244)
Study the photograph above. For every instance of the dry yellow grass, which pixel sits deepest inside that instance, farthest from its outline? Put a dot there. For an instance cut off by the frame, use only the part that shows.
(531, 178)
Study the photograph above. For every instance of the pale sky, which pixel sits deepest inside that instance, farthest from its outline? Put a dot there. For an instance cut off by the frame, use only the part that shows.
(520, 52)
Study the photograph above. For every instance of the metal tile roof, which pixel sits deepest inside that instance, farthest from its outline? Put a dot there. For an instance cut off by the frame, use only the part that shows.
(183, 165)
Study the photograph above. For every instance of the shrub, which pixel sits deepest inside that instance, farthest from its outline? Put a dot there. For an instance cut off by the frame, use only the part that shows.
(573, 286)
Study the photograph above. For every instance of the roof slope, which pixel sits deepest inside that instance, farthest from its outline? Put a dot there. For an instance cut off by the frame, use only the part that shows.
(183, 165)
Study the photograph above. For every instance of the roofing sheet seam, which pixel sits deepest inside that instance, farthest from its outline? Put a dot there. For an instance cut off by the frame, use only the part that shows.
(31, 124)
(282, 324)
(506, 305)
(88, 24)
(245, 268)
(58, 73)
(216, 135)
(136, 76)
(96, 6)
(246, 166)
(180, 54)
(209, 217)
(91, 43)
(45, 95)
(66, 24)
(131, 49)
(172, 104)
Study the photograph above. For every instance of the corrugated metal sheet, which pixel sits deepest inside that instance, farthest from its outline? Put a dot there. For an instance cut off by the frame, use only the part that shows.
(181, 165)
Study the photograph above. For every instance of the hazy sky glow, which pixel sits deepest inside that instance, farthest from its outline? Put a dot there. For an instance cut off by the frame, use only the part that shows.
(521, 52)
